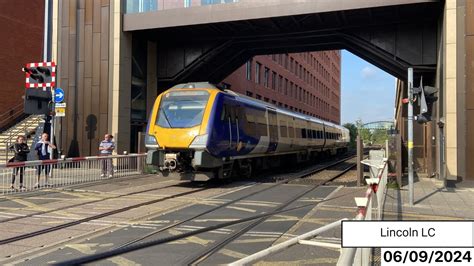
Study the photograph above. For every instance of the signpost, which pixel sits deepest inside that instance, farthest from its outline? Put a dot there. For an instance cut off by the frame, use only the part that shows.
(58, 95)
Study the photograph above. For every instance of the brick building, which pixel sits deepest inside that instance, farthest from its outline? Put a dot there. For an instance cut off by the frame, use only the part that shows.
(309, 83)
(22, 30)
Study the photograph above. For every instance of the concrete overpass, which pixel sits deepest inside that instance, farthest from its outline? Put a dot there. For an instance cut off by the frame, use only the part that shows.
(109, 50)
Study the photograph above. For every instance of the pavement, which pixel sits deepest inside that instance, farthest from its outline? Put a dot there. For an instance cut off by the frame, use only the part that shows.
(432, 201)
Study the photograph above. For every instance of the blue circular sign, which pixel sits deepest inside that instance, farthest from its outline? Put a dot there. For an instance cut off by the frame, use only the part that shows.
(58, 95)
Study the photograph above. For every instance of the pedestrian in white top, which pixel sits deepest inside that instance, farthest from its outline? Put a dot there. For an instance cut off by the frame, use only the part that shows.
(106, 148)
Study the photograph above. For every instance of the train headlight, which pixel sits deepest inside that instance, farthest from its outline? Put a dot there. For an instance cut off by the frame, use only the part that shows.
(199, 142)
(151, 142)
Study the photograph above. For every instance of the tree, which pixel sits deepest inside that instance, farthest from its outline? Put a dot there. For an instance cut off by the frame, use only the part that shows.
(364, 133)
(379, 136)
(352, 132)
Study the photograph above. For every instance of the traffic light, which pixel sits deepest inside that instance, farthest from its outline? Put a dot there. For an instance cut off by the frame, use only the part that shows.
(427, 97)
(40, 75)
(38, 101)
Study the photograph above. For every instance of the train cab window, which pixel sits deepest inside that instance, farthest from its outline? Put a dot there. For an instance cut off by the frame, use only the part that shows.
(182, 109)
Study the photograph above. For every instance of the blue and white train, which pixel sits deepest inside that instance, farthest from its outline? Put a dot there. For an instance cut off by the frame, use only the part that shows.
(204, 132)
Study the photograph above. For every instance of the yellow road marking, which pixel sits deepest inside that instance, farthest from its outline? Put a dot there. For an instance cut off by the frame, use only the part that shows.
(232, 254)
(83, 248)
(121, 261)
(241, 209)
(191, 239)
(256, 240)
(214, 220)
(36, 207)
(82, 195)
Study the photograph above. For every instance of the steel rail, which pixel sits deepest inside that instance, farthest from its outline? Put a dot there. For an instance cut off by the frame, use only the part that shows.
(81, 204)
(208, 251)
(95, 217)
(136, 245)
(228, 203)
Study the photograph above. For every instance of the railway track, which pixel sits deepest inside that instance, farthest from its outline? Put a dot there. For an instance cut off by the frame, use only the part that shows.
(139, 243)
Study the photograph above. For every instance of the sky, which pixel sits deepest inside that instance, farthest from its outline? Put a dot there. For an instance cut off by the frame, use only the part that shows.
(367, 92)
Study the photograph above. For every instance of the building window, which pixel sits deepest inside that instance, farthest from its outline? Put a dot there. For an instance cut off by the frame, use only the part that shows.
(266, 77)
(266, 99)
(274, 85)
(280, 83)
(259, 97)
(249, 93)
(286, 86)
(248, 69)
(257, 72)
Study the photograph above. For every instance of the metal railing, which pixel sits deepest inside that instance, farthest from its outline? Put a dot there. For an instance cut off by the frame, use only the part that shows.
(19, 177)
(376, 189)
(10, 115)
(299, 239)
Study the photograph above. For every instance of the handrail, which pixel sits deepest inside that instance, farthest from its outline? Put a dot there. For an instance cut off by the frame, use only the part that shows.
(67, 160)
(376, 186)
(11, 114)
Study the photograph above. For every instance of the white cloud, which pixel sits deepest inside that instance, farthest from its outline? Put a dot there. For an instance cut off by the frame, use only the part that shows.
(368, 72)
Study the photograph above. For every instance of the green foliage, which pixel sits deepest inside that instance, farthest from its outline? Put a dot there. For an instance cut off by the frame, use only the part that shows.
(352, 132)
(379, 136)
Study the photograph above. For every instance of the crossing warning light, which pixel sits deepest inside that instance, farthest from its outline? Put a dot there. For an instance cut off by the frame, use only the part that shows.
(38, 101)
(40, 75)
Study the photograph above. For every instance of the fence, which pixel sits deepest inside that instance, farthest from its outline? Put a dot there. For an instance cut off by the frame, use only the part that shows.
(377, 188)
(32, 175)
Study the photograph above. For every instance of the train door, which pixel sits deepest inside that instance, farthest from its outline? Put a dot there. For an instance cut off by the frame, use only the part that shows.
(273, 129)
(233, 121)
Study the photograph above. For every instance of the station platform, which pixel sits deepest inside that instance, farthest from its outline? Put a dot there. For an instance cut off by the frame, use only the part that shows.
(432, 201)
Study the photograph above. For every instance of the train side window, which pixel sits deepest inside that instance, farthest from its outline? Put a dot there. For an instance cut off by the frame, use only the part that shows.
(314, 134)
(283, 129)
(291, 131)
(303, 133)
(224, 112)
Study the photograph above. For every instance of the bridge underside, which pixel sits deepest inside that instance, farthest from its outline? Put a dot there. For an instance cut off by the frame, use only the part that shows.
(390, 37)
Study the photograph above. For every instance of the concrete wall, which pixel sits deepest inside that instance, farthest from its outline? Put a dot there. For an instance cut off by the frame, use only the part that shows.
(91, 55)
(454, 89)
(469, 48)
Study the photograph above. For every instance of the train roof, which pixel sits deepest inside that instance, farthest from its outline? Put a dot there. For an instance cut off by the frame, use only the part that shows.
(253, 101)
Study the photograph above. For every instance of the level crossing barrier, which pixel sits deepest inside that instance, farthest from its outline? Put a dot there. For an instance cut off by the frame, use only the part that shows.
(370, 207)
(68, 171)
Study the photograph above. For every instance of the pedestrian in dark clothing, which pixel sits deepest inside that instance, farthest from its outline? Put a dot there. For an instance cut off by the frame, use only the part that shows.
(106, 148)
(21, 150)
(43, 149)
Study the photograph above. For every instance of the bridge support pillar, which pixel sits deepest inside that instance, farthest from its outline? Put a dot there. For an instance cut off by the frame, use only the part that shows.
(454, 92)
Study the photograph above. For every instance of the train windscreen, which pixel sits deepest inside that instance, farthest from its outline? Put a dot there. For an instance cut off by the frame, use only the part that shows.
(182, 109)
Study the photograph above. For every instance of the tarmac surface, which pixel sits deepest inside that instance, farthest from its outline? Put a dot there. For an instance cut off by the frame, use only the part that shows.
(325, 205)
(157, 202)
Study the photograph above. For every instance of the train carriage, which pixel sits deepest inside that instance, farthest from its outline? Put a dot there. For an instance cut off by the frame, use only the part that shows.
(204, 132)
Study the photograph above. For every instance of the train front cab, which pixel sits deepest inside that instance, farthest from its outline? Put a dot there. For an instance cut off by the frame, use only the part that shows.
(177, 132)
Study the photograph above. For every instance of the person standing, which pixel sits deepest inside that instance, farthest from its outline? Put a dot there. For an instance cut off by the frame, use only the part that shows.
(43, 149)
(106, 148)
(21, 150)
